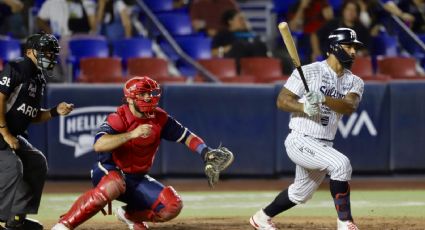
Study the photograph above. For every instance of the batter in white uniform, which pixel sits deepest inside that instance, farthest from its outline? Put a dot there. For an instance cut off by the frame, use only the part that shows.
(334, 91)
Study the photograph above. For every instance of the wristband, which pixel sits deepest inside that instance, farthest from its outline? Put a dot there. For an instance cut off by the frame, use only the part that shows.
(54, 112)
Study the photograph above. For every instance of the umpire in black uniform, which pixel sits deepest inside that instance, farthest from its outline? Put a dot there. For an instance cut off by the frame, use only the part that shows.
(23, 168)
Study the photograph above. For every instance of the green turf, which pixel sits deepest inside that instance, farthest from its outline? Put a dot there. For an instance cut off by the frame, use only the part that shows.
(219, 204)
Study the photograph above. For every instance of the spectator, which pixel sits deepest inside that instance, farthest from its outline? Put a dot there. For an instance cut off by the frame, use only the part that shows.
(415, 8)
(308, 16)
(11, 14)
(237, 40)
(113, 18)
(66, 17)
(206, 14)
(350, 15)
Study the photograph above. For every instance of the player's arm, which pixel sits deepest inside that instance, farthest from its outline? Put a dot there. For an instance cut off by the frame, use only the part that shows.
(61, 109)
(288, 101)
(174, 131)
(113, 134)
(346, 105)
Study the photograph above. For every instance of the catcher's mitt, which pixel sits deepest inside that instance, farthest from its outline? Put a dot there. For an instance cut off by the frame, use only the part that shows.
(217, 160)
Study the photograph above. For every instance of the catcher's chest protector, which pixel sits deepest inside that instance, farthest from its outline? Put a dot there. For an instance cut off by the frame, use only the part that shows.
(137, 155)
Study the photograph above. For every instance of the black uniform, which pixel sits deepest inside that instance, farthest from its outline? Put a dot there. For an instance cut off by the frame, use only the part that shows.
(23, 171)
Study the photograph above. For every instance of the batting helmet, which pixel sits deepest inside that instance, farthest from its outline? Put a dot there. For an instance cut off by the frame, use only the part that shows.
(343, 36)
(137, 86)
(47, 48)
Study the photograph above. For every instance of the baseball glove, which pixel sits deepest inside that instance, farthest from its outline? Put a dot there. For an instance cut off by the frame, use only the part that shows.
(216, 160)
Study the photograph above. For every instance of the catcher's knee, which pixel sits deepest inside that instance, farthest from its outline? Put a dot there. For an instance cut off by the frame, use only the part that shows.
(342, 171)
(172, 205)
(112, 185)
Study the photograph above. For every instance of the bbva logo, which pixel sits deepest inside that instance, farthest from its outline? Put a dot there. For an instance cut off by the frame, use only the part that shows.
(79, 128)
(355, 123)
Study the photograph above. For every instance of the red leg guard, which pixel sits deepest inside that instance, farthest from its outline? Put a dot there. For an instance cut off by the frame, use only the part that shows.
(172, 207)
(110, 187)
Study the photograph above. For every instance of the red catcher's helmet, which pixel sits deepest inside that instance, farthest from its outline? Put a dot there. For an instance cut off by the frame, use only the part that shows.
(137, 86)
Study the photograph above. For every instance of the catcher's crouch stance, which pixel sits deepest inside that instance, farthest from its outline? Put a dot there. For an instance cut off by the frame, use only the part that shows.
(127, 143)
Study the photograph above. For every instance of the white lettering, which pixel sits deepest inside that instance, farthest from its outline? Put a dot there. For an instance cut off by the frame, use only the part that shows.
(28, 110)
(84, 123)
(5, 81)
(355, 125)
(22, 108)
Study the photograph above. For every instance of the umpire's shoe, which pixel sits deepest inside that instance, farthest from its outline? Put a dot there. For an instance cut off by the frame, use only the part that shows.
(20, 222)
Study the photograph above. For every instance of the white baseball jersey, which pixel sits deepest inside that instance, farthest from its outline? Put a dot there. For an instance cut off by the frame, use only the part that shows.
(321, 78)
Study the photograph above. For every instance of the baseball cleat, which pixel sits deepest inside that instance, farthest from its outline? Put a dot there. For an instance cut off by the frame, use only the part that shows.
(261, 221)
(346, 225)
(120, 214)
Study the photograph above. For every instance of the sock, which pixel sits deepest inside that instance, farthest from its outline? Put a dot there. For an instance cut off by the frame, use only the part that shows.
(340, 191)
(281, 203)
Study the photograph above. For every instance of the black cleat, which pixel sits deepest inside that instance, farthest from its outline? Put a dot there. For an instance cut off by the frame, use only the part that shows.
(19, 222)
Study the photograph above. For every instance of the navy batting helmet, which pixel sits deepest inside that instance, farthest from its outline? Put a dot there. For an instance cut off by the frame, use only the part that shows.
(345, 36)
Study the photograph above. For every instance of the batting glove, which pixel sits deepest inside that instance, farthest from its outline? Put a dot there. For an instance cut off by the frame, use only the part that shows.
(315, 97)
(311, 109)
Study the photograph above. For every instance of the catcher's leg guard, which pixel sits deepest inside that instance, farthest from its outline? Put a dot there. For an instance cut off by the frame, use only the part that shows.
(172, 206)
(110, 187)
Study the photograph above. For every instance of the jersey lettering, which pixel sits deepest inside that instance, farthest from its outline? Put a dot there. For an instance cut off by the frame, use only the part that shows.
(5, 81)
(28, 110)
(32, 89)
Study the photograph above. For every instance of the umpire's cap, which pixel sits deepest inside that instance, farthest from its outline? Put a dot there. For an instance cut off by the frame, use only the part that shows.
(344, 35)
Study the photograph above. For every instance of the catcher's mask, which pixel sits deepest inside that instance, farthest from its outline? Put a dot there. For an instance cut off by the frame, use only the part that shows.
(136, 87)
(47, 50)
(343, 36)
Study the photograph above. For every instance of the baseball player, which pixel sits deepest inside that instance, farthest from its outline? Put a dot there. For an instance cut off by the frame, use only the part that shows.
(334, 92)
(23, 168)
(127, 143)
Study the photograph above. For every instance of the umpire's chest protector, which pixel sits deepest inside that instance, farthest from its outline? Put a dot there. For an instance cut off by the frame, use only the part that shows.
(137, 155)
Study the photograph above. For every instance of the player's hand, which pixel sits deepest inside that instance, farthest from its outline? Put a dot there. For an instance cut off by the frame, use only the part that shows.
(315, 97)
(12, 141)
(143, 130)
(311, 109)
(64, 108)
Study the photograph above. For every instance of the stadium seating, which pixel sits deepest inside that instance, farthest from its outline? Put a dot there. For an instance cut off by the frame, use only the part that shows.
(86, 47)
(265, 70)
(152, 67)
(177, 23)
(384, 44)
(397, 67)
(362, 66)
(107, 69)
(225, 70)
(9, 49)
(159, 5)
(132, 47)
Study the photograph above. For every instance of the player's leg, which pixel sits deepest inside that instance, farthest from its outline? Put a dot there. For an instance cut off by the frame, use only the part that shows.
(151, 201)
(109, 187)
(9, 181)
(313, 154)
(28, 194)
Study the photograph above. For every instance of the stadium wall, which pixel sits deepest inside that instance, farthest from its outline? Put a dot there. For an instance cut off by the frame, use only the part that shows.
(385, 135)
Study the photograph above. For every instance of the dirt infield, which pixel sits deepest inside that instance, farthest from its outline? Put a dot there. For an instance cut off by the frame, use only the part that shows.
(282, 223)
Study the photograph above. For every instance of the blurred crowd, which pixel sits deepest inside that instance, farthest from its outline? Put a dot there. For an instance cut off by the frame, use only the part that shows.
(222, 20)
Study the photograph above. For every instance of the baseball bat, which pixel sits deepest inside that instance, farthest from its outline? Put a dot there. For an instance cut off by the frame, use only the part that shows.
(290, 46)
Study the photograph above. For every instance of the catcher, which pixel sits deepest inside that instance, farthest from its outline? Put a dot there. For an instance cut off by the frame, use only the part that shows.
(127, 143)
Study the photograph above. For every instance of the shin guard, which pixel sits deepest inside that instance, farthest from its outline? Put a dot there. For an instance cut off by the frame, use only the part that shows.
(110, 187)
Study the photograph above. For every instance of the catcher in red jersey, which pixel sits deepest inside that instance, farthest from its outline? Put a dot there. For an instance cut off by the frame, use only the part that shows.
(126, 145)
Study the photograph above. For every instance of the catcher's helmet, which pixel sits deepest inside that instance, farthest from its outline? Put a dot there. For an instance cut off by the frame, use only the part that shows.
(136, 86)
(47, 48)
(343, 36)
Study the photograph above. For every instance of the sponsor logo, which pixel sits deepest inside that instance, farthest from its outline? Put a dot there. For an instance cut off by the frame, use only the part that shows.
(79, 128)
(355, 123)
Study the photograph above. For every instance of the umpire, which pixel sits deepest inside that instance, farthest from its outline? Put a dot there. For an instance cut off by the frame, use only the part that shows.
(23, 168)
